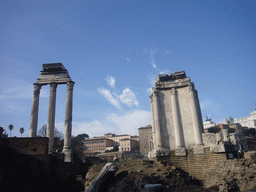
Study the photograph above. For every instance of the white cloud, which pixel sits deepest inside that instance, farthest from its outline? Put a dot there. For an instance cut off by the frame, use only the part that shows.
(107, 94)
(127, 123)
(111, 81)
(127, 59)
(128, 97)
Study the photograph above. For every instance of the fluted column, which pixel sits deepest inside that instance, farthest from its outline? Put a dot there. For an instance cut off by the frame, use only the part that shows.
(195, 117)
(68, 122)
(179, 138)
(157, 124)
(153, 120)
(34, 111)
(51, 116)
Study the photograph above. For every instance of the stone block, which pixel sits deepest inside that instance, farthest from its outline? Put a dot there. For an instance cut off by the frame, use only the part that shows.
(198, 150)
(180, 151)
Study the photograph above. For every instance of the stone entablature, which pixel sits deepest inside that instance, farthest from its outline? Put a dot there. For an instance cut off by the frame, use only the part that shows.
(176, 114)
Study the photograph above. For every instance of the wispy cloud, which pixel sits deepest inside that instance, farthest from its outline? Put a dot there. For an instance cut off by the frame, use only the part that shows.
(128, 97)
(127, 59)
(107, 94)
(111, 81)
(152, 59)
(127, 123)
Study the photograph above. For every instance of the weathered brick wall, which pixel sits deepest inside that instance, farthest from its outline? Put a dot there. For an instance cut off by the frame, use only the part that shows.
(196, 165)
(29, 145)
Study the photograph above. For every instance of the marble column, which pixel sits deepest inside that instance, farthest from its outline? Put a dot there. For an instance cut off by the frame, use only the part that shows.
(157, 124)
(51, 116)
(34, 111)
(153, 124)
(179, 138)
(195, 118)
(68, 122)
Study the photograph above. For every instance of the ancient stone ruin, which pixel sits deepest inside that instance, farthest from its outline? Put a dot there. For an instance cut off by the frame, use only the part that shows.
(177, 121)
(176, 115)
(54, 74)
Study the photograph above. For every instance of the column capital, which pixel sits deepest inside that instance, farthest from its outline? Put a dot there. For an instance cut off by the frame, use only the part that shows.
(173, 91)
(70, 84)
(191, 88)
(151, 97)
(37, 88)
(155, 93)
(53, 86)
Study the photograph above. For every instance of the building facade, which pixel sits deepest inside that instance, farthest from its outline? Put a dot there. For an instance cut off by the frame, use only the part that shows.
(145, 134)
(129, 145)
(249, 121)
(98, 144)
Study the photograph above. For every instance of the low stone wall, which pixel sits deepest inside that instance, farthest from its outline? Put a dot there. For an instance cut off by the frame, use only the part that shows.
(29, 145)
(196, 165)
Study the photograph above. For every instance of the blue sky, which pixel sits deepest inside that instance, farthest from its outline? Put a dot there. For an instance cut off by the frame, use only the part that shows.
(114, 50)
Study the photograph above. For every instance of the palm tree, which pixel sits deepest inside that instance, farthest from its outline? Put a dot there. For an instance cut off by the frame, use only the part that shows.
(11, 128)
(21, 131)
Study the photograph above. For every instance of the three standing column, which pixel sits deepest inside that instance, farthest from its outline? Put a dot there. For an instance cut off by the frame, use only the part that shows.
(68, 122)
(51, 116)
(34, 111)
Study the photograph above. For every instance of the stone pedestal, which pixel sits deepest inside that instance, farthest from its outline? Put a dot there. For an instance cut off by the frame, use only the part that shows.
(180, 151)
(51, 116)
(34, 111)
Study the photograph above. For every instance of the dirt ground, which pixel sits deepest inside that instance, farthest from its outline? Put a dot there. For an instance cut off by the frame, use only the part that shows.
(133, 175)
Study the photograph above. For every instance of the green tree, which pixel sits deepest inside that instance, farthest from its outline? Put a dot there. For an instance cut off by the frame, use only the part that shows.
(81, 137)
(11, 128)
(21, 131)
(250, 132)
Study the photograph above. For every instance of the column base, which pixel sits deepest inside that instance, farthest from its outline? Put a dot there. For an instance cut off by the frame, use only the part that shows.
(67, 155)
(158, 153)
(198, 149)
(180, 151)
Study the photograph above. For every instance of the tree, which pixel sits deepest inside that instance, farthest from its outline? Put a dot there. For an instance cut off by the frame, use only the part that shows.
(11, 128)
(43, 132)
(250, 132)
(21, 131)
(3, 133)
(77, 147)
(81, 137)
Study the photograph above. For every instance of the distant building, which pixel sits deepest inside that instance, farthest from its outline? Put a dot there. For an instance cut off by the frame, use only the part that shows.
(118, 138)
(145, 135)
(129, 145)
(249, 121)
(99, 144)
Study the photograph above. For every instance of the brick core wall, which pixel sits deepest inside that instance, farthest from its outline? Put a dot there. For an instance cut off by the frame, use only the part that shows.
(196, 165)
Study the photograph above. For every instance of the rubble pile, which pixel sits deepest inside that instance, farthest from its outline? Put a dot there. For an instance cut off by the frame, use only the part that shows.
(133, 175)
(233, 175)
